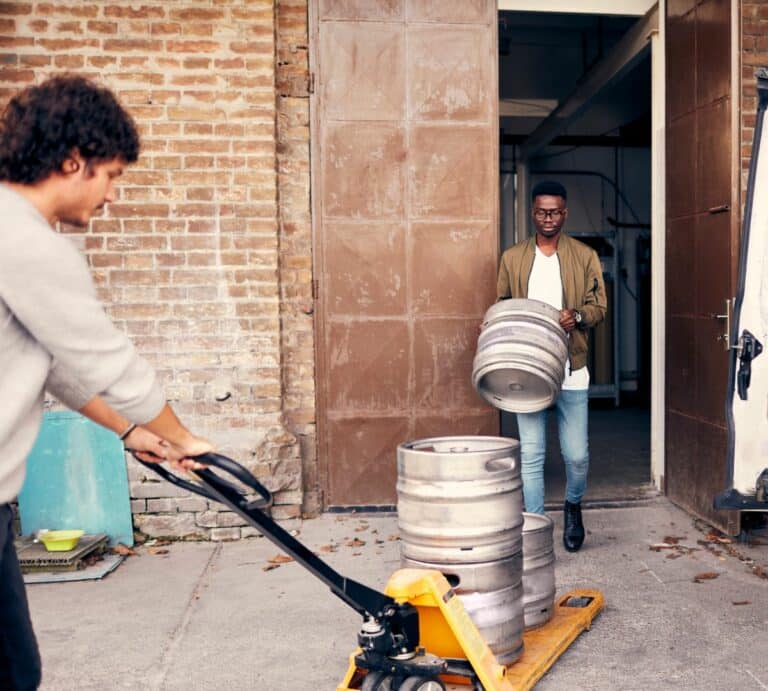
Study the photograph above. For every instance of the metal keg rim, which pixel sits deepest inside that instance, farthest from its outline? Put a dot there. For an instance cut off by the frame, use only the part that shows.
(514, 592)
(505, 304)
(515, 404)
(499, 356)
(537, 521)
(487, 393)
(542, 329)
(543, 310)
(525, 315)
(480, 369)
(427, 445)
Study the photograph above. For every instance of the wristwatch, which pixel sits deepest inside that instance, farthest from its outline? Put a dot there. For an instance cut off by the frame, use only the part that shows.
(577, 317)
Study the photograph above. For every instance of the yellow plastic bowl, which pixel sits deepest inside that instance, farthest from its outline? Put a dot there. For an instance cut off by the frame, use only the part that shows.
(61, 540)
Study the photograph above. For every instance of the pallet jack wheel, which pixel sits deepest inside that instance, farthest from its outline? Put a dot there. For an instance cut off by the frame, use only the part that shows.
(421, 684)
(377, 681)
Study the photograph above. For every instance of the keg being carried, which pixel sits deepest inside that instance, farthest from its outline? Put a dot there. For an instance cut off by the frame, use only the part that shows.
(522, 351)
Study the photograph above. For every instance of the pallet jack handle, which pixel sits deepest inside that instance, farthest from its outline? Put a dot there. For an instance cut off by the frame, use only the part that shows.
(367, 601)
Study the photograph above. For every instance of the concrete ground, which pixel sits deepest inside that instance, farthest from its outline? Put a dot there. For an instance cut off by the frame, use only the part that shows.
(208, 616)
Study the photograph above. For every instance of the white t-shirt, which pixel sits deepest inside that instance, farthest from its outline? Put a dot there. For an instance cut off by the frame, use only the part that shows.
(546, 284)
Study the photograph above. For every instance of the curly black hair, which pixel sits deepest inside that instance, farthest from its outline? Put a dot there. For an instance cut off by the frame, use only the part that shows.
(42, 125)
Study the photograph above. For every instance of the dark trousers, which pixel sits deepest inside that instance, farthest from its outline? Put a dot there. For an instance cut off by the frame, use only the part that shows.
(19, 656)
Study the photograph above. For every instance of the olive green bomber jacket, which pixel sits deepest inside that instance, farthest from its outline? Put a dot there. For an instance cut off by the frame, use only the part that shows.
(583, 286)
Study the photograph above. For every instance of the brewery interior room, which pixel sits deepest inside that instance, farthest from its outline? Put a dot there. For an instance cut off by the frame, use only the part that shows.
(557, 121)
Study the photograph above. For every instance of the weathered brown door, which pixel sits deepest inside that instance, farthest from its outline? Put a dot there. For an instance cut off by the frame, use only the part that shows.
(405, 151)
(702, 238)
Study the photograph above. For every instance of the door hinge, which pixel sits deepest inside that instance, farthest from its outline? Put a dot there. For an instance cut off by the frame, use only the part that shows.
(311, 83)
(315, 289)
(725, 337)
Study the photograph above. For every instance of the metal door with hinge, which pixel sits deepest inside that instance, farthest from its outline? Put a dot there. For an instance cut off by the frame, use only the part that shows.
(701, 241)
(747, 402)
(405, 223)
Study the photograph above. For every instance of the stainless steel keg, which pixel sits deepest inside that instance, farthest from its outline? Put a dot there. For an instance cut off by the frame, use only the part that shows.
(460, 511)
(498, 616)
(521, 354)
(538, 569)
(471, 578)
(459, 499)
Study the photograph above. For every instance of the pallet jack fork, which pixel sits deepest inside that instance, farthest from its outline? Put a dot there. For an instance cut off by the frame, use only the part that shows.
(416, 635)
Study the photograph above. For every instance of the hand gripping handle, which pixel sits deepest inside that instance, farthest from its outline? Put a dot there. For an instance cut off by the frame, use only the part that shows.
(214, 480)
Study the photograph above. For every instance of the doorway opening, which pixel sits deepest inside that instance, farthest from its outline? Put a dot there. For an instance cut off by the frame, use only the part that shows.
(575, 106)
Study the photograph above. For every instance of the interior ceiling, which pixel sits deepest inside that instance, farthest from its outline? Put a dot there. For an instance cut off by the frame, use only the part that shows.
(544, 56)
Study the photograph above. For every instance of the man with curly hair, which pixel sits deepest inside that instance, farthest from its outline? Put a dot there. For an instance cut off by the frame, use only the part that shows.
(63, 144)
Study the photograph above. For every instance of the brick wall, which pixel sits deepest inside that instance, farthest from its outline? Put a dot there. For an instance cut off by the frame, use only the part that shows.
(296, 301)
(205, 258)
(754, 54)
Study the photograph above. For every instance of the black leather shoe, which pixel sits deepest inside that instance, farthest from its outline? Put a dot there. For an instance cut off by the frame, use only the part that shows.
(573, 528)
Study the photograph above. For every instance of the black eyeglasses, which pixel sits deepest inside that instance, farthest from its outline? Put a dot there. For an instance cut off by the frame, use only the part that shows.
(554, 214)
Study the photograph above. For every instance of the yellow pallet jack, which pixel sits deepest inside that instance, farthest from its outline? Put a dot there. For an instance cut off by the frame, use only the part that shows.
(416, 635)
(448, 632)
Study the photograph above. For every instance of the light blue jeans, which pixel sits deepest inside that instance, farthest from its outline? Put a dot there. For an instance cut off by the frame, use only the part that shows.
(572, 408)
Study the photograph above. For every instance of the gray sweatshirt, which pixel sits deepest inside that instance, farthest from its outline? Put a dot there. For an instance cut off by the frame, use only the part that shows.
(54, 333)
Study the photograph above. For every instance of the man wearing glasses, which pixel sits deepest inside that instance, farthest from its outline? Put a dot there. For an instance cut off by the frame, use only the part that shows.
(565, 273)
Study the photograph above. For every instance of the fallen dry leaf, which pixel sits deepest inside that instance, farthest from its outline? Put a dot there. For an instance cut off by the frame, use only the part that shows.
(280, 559)
(122, 550)
(328, 548)
(705, 576)
(393, 537)
(355, 542)
(714, 537)
(676, 548)
(361, 528)
(658, 546)
(156, 550)
(269, 567)
(673, 539)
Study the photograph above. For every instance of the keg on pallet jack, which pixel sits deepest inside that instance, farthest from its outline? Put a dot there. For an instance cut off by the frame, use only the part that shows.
(416, 635)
